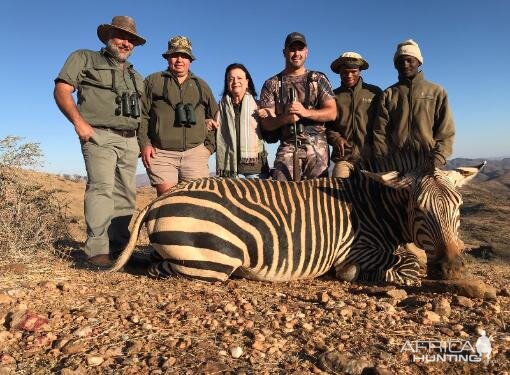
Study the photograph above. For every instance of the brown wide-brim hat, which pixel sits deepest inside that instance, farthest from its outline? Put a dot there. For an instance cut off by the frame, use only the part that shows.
(350, 60)
(179, 44)
(120, 23)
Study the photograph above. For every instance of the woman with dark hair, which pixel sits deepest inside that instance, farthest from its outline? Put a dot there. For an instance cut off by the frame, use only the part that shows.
(240, 150)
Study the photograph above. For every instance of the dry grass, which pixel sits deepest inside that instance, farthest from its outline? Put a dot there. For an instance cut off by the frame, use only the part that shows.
(32, 217)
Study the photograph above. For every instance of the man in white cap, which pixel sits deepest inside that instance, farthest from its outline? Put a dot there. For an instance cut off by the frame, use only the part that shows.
(414, 120)
(105, 118)
(356, 102)
(414, 115)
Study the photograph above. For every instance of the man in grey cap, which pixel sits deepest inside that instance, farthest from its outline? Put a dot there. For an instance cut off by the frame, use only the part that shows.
(105, 119)
(178, 109)
(414, 116)
(356, 102)
(301, 97)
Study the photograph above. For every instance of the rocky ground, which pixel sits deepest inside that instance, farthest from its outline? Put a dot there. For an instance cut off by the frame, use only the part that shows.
(56, 316)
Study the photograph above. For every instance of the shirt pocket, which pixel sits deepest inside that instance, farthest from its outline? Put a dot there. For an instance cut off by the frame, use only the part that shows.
(99, 75)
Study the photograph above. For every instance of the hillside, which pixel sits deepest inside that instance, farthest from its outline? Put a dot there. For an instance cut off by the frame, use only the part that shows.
(56, 316)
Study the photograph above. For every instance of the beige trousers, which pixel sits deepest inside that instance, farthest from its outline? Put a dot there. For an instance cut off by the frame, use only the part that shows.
(342, 169)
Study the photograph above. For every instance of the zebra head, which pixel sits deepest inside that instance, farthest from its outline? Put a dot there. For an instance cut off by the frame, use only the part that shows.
(433, 213)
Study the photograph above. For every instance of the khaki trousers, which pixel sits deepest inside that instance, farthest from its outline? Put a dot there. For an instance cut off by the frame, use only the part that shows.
(342, 169)
(111, 161)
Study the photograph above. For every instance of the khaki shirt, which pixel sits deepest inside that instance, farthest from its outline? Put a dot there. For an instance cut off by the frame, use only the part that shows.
(414, 114)
(356, 110)
(91, 73)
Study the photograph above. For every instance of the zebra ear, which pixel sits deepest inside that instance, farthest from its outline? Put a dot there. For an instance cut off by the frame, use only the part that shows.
(462, 175)
(391, 179)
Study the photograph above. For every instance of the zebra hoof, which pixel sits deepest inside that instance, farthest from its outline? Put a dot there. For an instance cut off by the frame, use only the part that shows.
(444, 269)
(349, 273)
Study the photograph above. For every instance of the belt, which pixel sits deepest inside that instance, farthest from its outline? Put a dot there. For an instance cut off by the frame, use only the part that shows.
(123, 133)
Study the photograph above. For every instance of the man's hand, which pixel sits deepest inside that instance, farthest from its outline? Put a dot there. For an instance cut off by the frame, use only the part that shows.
(211, 124)
(296, 108)
(342, 144)
(148, 152)
(84, 130)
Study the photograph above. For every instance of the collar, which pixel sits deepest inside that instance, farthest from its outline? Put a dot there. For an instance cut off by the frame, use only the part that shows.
(112, 60)
(417, 78)
(168, 73)
(355, 88)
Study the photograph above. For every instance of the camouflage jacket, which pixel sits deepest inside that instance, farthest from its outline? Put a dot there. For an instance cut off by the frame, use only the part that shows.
(275, 96)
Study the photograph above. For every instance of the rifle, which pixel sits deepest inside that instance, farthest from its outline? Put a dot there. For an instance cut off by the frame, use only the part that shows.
(296, 169)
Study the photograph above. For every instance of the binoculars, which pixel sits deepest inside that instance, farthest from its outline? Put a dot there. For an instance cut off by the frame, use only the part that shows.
(299, 128)
(127, 105)
(185, 115)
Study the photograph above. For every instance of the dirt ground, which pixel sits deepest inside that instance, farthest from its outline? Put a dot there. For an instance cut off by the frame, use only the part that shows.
(56, 316)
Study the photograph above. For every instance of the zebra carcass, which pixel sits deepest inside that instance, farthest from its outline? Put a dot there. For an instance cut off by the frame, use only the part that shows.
(211, 228)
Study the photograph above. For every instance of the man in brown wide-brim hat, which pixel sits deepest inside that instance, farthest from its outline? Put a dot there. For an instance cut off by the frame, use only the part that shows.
(106, 117)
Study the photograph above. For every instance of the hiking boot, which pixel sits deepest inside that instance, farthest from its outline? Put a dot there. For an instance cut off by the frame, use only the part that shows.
(101, 261)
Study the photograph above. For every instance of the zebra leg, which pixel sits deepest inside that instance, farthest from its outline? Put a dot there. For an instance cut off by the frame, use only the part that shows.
(401, 267)
(348, 272)
(405, 268)
(202, 270)
(160, 270)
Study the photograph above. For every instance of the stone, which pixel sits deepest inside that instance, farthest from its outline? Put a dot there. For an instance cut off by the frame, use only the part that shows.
(29, 321)
(442, 307)
(462, 301)
(6, 299)
(83, 331)
(431, 317)
(93, 360)
(398, 294)
(236, 352)
(168, 363)
(74, 347)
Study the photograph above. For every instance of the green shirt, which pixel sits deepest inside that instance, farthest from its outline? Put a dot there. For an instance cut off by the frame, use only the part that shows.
(99, 80)
(159, 127)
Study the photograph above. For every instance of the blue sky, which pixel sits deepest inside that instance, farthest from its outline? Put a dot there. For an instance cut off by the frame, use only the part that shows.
(464, 44)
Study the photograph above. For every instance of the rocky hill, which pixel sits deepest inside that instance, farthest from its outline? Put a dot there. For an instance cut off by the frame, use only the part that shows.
(59, 317)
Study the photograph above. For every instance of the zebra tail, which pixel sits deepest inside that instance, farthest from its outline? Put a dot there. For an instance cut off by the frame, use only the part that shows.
(133, 238)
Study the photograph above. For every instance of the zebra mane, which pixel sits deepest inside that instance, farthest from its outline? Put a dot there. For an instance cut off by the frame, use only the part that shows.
(403, 161)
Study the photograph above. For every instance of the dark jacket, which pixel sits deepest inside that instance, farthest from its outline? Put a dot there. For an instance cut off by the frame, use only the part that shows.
(158, 126)
(414, 114)
(356, 110)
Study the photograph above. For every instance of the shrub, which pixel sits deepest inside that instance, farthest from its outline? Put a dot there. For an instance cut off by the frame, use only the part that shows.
(31, 217)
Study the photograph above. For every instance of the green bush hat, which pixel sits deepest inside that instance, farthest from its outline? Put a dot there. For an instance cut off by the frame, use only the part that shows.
(350, 60)
(179, 44)
(120, 23)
